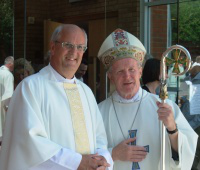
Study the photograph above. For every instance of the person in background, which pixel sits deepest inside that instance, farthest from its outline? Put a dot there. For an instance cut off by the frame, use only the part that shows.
(151, 75)
(82, 70)
(22, 69)
(132, 115)
(198, 59)
(6, 89)
(47, 58)
(193, 119)
(53, 120)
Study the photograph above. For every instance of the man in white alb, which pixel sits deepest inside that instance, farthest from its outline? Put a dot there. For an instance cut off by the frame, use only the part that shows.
(6, 88)
(132, 115)
(53, 121)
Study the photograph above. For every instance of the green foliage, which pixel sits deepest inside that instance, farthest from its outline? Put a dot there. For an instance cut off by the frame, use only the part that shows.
(6, 21)
(189, 22)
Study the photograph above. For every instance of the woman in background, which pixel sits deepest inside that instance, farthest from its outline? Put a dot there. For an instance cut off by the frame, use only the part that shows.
(151, 75)
(22, 69)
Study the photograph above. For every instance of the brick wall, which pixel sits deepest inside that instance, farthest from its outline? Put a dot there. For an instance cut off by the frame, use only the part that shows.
(34, 32)
(127, 12)
(19, 29)
(158, 31)
(158, 40)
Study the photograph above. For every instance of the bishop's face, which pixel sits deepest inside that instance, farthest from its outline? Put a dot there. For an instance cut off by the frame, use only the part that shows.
(125, 74)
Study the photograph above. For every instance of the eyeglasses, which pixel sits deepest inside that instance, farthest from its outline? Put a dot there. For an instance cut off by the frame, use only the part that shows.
(70, 46)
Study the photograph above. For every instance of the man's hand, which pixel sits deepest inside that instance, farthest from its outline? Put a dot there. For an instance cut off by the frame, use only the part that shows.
(165, 114)
(93, 162)
(101, 158)
(101, 168)
(125, 152)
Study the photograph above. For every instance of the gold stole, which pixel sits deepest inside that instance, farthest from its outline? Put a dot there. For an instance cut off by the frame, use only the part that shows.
(78, 119)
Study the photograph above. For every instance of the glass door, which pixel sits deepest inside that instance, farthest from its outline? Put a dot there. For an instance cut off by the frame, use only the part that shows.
(168, 23)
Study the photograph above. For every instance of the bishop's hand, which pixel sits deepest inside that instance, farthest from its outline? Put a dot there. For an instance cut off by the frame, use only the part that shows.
(165, 114)
(125, 152)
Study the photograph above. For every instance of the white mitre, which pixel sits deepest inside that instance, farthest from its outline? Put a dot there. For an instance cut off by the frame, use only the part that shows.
(118, 45)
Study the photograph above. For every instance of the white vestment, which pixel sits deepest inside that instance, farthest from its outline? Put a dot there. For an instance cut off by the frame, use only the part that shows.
(6, 91)
(147, 125)
(38, 122)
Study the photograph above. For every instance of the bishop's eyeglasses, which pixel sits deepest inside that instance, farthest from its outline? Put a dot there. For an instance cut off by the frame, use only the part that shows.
(70, 46)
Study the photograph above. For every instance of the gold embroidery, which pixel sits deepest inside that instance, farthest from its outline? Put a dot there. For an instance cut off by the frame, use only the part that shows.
(78, 119)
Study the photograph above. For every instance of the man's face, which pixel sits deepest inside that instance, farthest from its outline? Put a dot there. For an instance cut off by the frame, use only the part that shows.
(23, 74)
(81, 70)
(66, 61)
(10, 66)
(125, 75)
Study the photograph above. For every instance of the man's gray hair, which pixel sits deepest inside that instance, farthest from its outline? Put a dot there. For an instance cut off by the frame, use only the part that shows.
(9, 60)
(57, 31)
(86, 39)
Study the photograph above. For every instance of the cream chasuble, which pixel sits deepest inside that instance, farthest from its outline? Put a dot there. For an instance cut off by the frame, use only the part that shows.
(39, 122)
(78, 119)
(146, 125)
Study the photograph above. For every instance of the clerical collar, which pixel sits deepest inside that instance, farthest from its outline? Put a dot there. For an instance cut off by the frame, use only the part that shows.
(120, 99)
(60, 78)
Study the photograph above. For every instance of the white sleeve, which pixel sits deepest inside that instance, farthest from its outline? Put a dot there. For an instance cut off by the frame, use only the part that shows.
(65, 159)
(107, 156)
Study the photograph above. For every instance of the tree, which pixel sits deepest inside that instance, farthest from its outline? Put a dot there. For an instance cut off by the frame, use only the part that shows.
(6, 26)
(189, 22)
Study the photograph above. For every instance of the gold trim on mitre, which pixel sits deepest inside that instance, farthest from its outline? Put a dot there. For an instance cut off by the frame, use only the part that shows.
(118, 45)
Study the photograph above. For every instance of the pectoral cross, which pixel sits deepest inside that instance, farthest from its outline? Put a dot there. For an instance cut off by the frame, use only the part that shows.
(132, 134)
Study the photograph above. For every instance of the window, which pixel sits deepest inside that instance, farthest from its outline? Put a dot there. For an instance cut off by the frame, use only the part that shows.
(168, 22)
